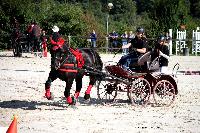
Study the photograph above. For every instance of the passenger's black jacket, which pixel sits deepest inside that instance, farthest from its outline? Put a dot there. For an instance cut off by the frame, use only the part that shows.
(165, 50)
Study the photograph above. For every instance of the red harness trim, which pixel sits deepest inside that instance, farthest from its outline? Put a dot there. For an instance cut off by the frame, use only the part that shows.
(68, 70)
(71, 65)
(79, 57)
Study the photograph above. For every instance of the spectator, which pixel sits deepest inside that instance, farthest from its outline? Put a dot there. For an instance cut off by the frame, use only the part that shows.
(124, 37)
(113, 39)
(168, 37)
(130, 36)
(29, 36)
(43, 38)
(93, 38)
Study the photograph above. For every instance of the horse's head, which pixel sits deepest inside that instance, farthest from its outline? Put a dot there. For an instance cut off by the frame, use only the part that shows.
(60, 56)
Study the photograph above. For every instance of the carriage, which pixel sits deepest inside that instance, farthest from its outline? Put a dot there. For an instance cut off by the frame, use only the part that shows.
(139, 82)
(20, 45)
(23, 44)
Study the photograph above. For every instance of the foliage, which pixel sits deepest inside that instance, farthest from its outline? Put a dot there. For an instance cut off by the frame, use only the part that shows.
(80, 17)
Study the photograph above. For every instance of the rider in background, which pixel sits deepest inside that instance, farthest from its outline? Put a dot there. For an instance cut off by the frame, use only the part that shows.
(137, 47)
(36, 32)
(161, 49)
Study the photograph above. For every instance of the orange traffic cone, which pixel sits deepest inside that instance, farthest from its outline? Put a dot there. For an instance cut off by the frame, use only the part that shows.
(13, 126)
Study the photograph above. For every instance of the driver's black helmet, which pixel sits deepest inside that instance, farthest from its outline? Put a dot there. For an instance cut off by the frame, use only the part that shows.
(161, 38)
(140, 30)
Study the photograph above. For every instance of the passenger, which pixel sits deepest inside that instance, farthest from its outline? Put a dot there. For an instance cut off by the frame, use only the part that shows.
(137, 47)
(161, 49)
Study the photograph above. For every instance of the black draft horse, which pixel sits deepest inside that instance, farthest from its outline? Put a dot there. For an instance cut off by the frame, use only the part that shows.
(67, 67)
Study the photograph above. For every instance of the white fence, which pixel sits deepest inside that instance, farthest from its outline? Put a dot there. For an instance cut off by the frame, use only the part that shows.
(180, 41)
(196, 41)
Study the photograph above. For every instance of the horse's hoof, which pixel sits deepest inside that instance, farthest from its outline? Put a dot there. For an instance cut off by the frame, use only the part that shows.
(51, 97)
(87, 96)
(87, 101)
(73, 101)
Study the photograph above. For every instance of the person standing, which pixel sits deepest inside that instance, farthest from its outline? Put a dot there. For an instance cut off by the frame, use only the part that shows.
(29, 37)
(168, 38)
(130, 36)
(114, 36)
(43, 38)
(93, 38)
(124, 37)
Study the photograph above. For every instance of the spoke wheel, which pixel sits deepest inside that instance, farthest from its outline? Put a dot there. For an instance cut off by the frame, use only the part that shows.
(164, 93)
(106, 90)
(139, 92)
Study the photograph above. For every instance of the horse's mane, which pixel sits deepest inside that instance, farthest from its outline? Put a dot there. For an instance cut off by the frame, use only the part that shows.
(93, 54)
(88, 54)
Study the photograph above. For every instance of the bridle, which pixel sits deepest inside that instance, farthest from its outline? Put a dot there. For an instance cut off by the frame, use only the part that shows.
(63, 63)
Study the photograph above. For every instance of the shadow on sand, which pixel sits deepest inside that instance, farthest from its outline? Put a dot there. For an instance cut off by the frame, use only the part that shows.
(56, 105)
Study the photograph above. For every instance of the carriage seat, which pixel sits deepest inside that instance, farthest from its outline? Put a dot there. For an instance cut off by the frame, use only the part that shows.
(145, 63)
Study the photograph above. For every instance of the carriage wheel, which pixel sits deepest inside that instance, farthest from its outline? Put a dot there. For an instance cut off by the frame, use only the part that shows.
(106, 91)
(139, 92)
(164, 93)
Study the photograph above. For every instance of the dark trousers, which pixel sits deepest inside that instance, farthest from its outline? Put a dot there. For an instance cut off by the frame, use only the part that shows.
(128, 60)
(36, 45)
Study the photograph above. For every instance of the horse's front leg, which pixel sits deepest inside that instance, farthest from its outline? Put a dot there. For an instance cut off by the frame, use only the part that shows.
(78, 86)
(91, 83)
(51, 78)
(69, 99)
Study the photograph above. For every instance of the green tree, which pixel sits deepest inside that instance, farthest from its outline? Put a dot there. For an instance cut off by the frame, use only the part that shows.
(195, 8)
(167, 14)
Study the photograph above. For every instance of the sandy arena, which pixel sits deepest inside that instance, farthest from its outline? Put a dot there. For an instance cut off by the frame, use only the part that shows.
(22, 93)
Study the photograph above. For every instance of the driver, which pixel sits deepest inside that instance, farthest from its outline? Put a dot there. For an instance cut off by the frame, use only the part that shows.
(137, 47)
